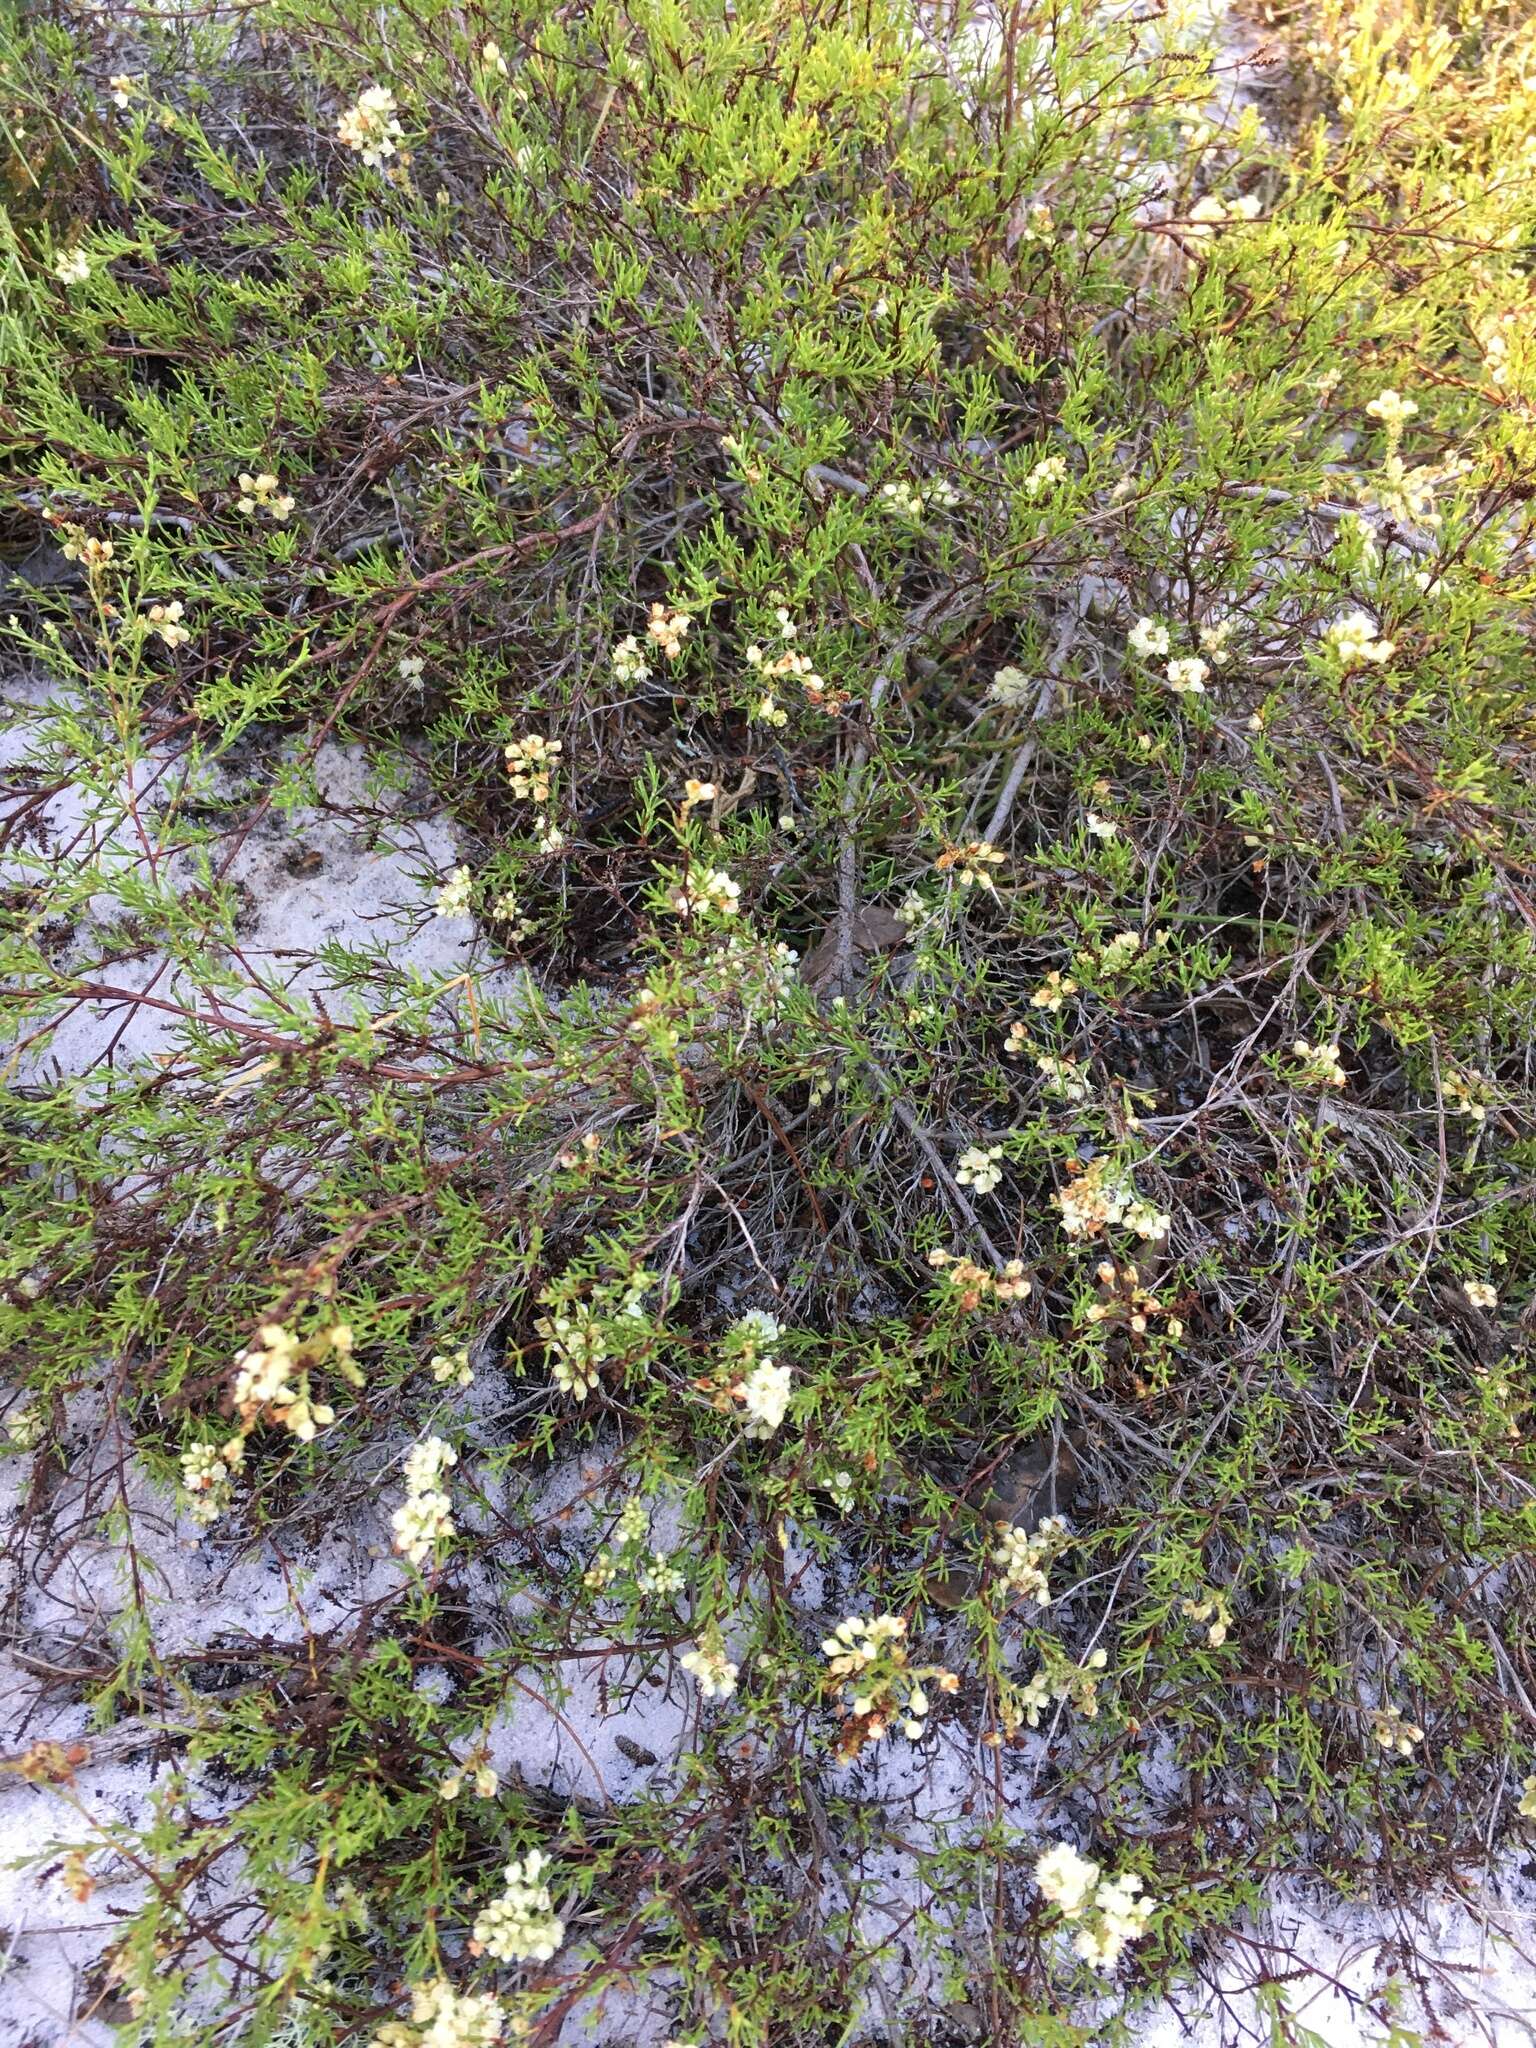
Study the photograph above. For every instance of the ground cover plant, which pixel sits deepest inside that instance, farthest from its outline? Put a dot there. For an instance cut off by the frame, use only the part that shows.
(919, 622)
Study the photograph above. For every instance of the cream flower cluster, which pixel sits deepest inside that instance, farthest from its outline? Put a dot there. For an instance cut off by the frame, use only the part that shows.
(970, 863)
(1047, 473)
(980, 1167)
(271, 1384)
(531, 763)
(581, 1333)
(484, 1778)
(1320, 1063)
(93, 555)
(1050, 995)
(1211, 212)
(444, 2018)
(908, 500)
(165, 619)
(1063, 1078)
(370, 126)
(452, 1369)
(521, 1925)
(1060, 1679)
(1393, 410)
(703, 889)
(1480, 1293)
(1011, 687)
(1215, 1610)
(1393, 1732)
(1355, 642)
(427, 1513)
(867, 1661)
(262, 494)
(711, 1667)
(973, 1284)
(455, 897)
(1185, 674)
(1132, 1302)
(206, 1483)
(1022, 1557)
(1527, 1807)
(1113, 1911)
(669, 629)
(73, 266)
(789, 662)
(1101, 1194)
(1465, 1091)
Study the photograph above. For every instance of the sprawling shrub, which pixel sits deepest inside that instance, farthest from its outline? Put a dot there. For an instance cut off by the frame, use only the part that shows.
(964, 583)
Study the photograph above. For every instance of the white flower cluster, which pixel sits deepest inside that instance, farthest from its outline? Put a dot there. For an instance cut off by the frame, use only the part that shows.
(1022, 1557)
(980, 1167)
(1320, 1063)
(1393, 410)
(868, 1660)
(1355, 642)
(1101, 1194)
(908, 500)
(370, 127)
(427, 1513)
(705, 889)
(1011, 687)
(754, 1376)
(790, 662)
(1113, 1911)
(206, 1482)
(713, 1669)
(581, 1333)
(265, 1376)
(444, 2018)
(1481, 1293)
(1185, 674)
(72, 266)
(1063, 1078)
(262, 494)
(1059, 1679)
(1047, 473)
(628, 659)
(456, 895)
(521, 1925)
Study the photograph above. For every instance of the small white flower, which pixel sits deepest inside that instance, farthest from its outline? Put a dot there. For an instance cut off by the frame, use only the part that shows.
(1186, 676)
(1148, 637)
(72, 267)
